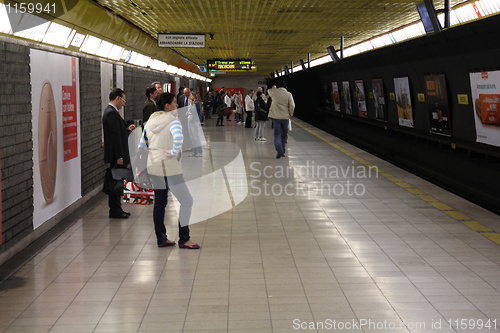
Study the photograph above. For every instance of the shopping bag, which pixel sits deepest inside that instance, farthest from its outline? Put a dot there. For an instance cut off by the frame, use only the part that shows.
(133, 193)
(289, 124)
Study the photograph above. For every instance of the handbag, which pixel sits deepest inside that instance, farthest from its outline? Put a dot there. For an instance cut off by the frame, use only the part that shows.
(114, 178)
(228, 111)
(233, 105)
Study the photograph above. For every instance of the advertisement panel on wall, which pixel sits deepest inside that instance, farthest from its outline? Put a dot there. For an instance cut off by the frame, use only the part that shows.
(56, 133)
(379, 99)
(403, 101)
(361, 98)
(336, 96)
(485, 87)
(1, 200)
(347, 97)
(327, 96)
(437, 104)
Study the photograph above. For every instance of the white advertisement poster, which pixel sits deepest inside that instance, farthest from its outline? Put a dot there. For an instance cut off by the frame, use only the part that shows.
(106, 84)
(361, 98)
(403, 100)
(485, 87)
(336, 96)
(56, 133)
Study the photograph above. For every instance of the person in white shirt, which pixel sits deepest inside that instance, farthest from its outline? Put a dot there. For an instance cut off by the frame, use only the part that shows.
(227, 100)
(249, 107)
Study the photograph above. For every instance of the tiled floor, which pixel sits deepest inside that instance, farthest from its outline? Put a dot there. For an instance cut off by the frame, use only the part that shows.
(325, 249)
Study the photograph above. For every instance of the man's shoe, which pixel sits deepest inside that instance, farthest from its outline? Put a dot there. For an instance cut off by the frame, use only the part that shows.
(127, 213)
(167, 244)
(121, 215)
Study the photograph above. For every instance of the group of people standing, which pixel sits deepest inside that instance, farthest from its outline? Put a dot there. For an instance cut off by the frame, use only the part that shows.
(277, 105)
(162, 136)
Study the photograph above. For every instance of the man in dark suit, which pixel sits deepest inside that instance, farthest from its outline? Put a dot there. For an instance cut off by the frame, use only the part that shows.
(183, 100)
(150, 105)
(116, 144)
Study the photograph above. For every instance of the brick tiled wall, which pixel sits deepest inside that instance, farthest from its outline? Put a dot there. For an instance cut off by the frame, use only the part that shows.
(16, 145)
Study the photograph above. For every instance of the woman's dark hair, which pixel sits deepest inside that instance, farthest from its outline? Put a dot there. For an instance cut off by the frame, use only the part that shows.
(259, 94)
(165, 98)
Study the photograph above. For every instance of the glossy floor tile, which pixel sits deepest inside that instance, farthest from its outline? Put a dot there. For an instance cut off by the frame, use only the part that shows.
(329, 238)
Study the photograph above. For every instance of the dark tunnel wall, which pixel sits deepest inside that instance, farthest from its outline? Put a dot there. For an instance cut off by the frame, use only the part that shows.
(455, 162)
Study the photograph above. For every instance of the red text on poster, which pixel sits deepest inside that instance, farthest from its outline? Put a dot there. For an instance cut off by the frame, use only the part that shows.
(70, 121)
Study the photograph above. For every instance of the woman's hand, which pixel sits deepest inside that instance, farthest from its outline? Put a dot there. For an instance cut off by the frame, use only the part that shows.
(167, 153)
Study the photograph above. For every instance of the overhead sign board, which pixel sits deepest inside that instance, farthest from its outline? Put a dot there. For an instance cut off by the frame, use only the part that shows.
(229, 65)
(181, 40)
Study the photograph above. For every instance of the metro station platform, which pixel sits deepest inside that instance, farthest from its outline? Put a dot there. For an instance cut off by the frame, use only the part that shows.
(328, 239)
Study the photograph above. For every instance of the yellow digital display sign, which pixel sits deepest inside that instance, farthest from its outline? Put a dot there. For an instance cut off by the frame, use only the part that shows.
(229, 65)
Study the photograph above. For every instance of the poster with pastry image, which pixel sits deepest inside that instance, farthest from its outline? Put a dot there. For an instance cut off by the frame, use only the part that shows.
(56, 133)
(485, 89)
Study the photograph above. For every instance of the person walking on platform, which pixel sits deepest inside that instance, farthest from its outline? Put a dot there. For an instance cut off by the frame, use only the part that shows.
(164, 139)
(281, 112)
(249, 107)
(150, 104)
(116, 145)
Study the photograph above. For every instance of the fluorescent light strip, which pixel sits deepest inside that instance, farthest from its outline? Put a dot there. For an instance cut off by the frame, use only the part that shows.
(115, 53)
(91, 44)
(4, 21)
(57, 34)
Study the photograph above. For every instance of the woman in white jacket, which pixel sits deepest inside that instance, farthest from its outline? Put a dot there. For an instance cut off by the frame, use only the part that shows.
(163, 136)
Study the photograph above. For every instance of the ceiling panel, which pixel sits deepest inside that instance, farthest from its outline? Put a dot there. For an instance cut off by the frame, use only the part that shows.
(270, 32)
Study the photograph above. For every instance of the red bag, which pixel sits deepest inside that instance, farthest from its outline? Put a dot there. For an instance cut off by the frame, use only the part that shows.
(135, 194)
(228, 111)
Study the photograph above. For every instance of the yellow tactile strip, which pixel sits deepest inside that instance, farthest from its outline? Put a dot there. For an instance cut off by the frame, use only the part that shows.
(453, 213)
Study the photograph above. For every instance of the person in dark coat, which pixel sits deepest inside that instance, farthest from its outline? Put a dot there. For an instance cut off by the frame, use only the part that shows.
(116, 144)
(261, 117)
(150, 104)
(220, 106)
